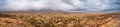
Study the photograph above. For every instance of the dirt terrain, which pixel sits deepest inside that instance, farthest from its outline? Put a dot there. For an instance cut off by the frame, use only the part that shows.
(54, 19)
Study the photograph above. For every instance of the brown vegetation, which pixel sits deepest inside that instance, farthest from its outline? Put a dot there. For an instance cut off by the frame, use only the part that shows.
(59, 19)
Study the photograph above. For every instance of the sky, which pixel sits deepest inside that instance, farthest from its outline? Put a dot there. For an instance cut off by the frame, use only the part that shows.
(63, 5)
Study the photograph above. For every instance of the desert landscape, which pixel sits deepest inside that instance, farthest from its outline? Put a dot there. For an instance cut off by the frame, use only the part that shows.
(59, 19)
(59, 13)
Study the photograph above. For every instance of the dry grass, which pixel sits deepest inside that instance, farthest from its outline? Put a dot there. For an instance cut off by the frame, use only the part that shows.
(59, 19)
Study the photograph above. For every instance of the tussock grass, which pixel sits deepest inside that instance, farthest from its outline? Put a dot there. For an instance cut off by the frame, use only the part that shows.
(58, 20)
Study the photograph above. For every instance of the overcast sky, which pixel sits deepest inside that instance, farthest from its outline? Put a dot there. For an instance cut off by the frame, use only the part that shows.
(64, 5)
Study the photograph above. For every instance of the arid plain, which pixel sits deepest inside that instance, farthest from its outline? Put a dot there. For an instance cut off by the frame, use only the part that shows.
(59, 19)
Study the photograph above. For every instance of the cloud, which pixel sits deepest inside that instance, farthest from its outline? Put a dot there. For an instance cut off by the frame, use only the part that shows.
(64, 5)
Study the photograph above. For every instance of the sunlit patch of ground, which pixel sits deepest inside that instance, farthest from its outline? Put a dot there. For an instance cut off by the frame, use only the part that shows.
(59, 19)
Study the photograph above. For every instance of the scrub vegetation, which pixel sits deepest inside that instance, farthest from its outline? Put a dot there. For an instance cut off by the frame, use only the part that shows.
(59, 19)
